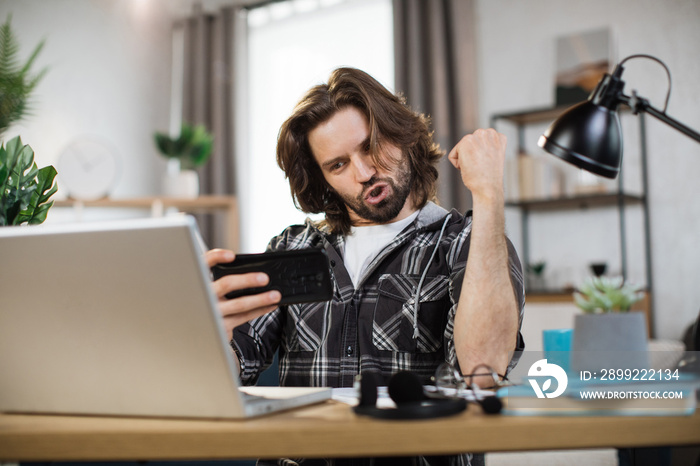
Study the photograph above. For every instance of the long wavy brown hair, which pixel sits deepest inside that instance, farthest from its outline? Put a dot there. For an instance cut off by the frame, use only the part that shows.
(390, 121)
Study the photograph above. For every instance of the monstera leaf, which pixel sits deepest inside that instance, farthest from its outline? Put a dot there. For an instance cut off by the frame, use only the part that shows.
(24, 188)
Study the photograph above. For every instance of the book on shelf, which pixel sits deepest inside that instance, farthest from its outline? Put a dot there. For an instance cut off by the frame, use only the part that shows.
(531, 177)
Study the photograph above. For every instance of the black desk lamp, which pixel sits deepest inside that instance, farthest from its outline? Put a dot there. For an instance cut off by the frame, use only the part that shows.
(589, 135)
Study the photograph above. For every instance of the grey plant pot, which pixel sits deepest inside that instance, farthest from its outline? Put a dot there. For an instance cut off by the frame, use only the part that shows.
(609, 341)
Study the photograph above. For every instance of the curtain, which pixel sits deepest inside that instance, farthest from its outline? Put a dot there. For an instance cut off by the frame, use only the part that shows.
(208, 99)
(435, 51)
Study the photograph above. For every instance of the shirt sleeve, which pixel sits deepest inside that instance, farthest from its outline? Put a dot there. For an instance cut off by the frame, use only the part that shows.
(255, 343)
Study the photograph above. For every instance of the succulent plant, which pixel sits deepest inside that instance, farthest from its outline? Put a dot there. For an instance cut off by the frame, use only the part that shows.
(606, 294)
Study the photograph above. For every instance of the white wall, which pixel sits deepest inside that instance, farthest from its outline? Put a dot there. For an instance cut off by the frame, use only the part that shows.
(108, 78)
(516, 71)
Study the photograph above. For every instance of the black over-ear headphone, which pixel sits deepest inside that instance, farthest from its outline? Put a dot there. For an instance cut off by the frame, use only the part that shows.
(406, 389)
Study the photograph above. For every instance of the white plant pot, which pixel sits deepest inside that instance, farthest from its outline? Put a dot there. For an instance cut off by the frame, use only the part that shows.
(180, 183)
(609, 341)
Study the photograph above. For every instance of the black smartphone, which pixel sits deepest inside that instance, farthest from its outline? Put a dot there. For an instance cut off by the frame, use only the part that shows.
(300, 275)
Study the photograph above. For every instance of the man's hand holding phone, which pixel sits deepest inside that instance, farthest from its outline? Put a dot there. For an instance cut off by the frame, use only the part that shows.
(242, 309)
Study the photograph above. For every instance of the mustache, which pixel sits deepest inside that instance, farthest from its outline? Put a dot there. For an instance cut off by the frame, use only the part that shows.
(370, 182)
(375, 179)
(367, 185)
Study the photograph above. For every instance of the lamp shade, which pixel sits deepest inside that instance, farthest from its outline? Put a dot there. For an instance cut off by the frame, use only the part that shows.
(589, 136)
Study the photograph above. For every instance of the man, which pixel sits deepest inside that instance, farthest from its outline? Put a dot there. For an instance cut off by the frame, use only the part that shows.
(405, 295)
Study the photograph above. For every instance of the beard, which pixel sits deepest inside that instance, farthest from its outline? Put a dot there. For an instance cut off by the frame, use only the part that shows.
(390, 207)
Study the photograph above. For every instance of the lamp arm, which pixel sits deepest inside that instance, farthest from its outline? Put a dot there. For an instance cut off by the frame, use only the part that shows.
(640, 104)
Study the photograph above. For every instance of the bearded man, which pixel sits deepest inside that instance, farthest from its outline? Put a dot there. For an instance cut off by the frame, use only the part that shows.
(414, 285)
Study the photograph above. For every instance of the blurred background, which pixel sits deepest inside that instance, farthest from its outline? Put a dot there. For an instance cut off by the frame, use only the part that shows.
(118, 71)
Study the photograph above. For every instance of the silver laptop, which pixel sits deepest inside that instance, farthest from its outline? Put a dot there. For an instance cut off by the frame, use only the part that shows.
(118, 318)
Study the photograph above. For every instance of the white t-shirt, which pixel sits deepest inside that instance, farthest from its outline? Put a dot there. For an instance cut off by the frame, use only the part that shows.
(364, 243)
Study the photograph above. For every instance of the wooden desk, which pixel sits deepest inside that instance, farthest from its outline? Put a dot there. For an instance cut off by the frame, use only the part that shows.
(329, 429)
(157, 205)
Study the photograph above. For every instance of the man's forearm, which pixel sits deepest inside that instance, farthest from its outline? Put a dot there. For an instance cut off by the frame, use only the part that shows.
(486, 322)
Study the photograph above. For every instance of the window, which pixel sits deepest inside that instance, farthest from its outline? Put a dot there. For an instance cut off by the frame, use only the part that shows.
(292, 46)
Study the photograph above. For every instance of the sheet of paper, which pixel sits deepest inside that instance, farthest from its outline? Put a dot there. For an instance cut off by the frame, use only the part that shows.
(350, 395)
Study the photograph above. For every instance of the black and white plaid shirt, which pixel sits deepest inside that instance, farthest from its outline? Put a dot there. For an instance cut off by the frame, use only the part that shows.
(371, 327)
(375, 327)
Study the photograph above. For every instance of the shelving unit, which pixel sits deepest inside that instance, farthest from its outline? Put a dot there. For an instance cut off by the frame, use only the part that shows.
(619, 200)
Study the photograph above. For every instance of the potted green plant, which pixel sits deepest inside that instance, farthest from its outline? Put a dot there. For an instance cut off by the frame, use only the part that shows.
(16, 83)
(535, 276)
(24, 188)
(606, 334)
(189, 150)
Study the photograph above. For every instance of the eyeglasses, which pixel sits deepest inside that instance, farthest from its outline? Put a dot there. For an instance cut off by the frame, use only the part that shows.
(448, 380)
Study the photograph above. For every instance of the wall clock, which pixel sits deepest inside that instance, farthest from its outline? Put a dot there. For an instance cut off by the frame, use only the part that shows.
(88, 169)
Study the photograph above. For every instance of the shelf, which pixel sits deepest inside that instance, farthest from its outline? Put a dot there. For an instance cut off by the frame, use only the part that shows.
(566, 297)
(225, 205)
(617, 199)
(539, 115)
(201, 203)
(577, 202)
